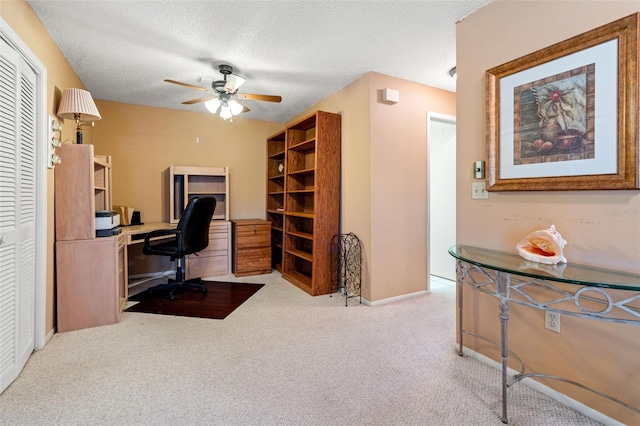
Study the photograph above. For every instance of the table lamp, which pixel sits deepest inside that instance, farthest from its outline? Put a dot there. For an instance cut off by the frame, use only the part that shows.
(77, 104)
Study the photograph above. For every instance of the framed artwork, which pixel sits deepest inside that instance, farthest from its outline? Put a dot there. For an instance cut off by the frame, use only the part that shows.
(566, 117)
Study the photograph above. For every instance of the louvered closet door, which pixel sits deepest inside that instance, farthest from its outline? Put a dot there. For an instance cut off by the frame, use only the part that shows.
(17, 213)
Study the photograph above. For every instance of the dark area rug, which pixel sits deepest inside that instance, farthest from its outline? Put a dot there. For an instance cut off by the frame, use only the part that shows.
(218, 302)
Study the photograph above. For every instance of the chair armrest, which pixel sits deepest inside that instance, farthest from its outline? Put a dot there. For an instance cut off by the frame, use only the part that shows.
(161, 233)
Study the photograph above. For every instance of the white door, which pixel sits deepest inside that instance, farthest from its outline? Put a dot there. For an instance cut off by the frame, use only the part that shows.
(442, 195)
(17, 212)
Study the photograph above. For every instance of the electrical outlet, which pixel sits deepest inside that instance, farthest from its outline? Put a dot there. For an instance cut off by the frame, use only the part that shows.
(552, 321)
(479, 191)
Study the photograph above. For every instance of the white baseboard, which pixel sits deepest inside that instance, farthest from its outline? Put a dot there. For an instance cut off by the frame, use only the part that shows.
(552, 393)
(394, 299)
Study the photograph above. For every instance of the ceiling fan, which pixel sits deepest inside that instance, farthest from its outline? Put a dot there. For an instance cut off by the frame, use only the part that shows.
(224, 94)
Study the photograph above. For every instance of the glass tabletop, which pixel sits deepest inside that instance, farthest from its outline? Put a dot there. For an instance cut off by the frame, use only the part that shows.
(562, 272)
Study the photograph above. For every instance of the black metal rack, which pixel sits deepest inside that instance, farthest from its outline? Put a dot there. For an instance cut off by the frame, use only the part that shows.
(346, 266)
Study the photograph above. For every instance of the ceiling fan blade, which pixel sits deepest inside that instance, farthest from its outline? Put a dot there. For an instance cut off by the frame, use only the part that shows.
(195, 101)
(191, 86)
(235, 106)
(268, 98)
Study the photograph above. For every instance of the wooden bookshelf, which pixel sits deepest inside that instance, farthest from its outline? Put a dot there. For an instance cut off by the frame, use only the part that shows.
(303, 199)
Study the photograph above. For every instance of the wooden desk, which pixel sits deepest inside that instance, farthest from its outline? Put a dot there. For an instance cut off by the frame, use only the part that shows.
(135, 234)
(141, 268)
(92, 276)
(91, 281)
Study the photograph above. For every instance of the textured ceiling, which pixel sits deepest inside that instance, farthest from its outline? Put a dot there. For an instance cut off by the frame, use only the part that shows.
(300, 50)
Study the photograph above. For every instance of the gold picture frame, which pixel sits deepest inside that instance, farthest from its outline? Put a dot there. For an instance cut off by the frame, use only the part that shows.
(566, 117)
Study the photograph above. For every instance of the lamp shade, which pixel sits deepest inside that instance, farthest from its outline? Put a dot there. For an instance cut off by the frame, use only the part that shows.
(212, 105)
(233, 83)
(76, 102)
(225, 112)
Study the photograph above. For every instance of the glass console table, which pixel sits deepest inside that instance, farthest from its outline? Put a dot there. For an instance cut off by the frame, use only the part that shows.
(576, 290)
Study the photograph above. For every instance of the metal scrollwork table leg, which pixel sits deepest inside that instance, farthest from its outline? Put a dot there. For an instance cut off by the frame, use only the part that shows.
(503, 289)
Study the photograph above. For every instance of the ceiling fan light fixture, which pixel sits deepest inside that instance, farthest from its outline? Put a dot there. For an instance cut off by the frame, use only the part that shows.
(225, 112)
(212, 105)
(233, 83)
(235, 106)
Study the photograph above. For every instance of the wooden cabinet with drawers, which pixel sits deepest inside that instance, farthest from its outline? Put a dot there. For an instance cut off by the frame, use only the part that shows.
(251, 247)
(216, 258)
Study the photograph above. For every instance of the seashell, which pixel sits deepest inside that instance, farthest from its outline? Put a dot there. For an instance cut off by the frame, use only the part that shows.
(544, 246)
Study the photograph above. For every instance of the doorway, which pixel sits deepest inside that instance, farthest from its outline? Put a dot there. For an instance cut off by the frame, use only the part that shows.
(441, 194)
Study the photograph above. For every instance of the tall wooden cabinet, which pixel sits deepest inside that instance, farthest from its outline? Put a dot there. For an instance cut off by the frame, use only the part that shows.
(310, 197)
(186, 182)
(91, 273)
(83, 186)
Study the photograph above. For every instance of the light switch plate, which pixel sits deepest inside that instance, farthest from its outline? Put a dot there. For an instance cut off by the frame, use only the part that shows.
(54, 132)
(479, 191)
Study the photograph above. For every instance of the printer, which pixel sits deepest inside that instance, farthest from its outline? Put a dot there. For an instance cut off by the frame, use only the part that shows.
(107, 223)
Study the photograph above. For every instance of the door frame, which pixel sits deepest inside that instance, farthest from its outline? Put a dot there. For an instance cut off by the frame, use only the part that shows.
(41, 126)
(443, 118)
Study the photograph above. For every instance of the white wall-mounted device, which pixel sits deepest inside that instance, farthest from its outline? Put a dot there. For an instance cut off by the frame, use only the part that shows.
(390, 96)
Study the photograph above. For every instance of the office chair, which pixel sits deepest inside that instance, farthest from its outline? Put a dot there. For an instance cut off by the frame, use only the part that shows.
(190, 236)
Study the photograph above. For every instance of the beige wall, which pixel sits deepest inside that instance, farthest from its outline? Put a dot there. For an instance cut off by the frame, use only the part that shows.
(498, 33)
(60, 75)
(399, 184)
(144, 141)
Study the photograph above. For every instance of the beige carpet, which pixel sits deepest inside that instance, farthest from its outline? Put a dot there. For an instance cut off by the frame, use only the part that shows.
(282, 358)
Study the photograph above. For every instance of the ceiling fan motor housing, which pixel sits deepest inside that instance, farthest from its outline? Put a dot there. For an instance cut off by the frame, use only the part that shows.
(225, 69)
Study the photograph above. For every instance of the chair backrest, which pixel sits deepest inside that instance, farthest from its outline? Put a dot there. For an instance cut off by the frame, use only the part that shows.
(194, 224)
